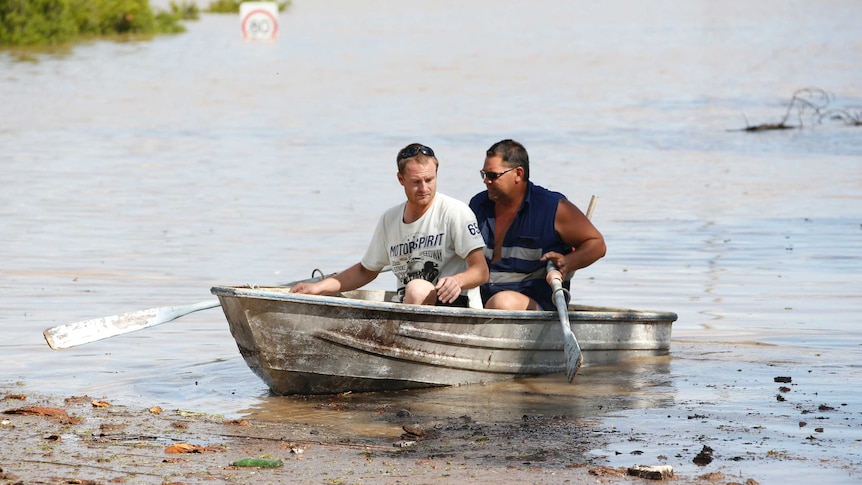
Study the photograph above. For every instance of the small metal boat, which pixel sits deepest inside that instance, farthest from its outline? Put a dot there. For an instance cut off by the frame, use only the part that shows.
(358, 341)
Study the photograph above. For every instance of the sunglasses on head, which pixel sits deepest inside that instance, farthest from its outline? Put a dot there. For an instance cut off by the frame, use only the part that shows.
(492, 176)
(413, 150)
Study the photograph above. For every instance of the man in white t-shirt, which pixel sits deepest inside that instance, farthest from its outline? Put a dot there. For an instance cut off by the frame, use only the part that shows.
(431, 241)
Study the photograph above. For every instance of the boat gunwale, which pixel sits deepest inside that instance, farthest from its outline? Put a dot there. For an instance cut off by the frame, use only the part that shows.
(576, 312)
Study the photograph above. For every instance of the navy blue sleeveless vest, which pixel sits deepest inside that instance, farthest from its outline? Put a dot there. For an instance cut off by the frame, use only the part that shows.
(530, 236)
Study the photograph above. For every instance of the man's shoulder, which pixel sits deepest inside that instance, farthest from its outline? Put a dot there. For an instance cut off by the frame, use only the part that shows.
(479, 199)
(447, 201)
(396, 211)
(453, 210)
(541, 192)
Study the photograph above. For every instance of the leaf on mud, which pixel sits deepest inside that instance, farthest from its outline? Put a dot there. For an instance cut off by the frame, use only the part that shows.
(183, 448)
(112, 427)
(155, 410)
(413, 429)
(180, 412)
(238, 422)
(16, 397)
(189, 448)
(38, 411)
(101, 404)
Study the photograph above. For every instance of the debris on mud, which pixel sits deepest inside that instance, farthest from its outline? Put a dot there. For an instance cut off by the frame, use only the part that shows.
(659, 472)
(704, 457)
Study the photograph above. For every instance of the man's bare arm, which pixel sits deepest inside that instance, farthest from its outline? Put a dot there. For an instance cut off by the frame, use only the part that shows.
(574, 228)
(352, 278)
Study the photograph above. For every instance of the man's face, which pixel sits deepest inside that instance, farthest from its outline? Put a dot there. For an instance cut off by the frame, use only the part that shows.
(503, 184)
(419, 181)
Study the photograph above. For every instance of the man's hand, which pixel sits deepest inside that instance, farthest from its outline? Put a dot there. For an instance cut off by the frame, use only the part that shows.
(559, 260)
(304, 288)
(448, 289)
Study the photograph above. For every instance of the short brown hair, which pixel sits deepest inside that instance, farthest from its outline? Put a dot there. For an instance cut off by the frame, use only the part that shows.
(513, 155)
(415, 152)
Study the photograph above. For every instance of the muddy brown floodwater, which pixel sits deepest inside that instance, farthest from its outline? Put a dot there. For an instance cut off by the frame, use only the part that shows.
(140, 174)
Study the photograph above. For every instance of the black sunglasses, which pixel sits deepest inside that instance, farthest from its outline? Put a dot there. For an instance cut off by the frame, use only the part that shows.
(413, 150)
(492, 176)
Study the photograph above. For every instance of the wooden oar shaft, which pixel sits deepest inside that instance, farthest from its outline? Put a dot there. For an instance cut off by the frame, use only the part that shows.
(591, 207)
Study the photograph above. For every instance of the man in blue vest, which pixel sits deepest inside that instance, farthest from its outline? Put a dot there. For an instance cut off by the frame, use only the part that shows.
(525, 225)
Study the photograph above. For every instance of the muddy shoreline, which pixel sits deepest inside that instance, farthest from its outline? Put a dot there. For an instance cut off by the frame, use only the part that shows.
(714, 413)
(80, 439)
(84, 440)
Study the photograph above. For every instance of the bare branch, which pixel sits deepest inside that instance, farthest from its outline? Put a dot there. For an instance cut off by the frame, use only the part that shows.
(809, 103)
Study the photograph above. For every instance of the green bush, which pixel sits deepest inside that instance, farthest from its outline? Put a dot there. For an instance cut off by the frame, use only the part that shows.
(122, 17)
(27, 22)
(32, 22)
(232, 6)
(186, 10)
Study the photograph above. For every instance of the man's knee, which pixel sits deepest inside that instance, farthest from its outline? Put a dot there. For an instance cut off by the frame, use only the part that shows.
(420, 292)
(511, 300)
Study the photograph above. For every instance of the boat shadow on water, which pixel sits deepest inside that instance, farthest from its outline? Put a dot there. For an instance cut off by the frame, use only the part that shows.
(599, 391)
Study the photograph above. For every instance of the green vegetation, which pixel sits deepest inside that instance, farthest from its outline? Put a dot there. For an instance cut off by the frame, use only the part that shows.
(58, 22)
(232, 6)
(52, 22)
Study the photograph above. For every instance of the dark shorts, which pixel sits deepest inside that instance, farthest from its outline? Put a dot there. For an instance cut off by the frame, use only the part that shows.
(461, 302)
(540, 292)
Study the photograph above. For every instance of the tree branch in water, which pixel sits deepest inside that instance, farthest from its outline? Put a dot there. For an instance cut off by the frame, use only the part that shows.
(809, 103)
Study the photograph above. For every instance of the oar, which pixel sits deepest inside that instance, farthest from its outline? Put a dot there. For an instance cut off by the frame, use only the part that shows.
(574, 357)
(79, 333)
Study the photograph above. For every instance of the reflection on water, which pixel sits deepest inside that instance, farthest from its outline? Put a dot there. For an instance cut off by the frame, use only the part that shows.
(596, 391)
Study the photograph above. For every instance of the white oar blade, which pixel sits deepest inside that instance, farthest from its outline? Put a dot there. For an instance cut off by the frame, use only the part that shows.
(79, 333)
(574, 357)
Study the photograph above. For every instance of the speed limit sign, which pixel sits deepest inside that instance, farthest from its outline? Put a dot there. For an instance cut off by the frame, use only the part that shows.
(259, 20)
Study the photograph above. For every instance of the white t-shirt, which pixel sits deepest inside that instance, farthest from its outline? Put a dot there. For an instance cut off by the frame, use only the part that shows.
(432, 247)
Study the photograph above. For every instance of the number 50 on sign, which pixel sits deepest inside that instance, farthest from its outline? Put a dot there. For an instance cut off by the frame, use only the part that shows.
(259, 20)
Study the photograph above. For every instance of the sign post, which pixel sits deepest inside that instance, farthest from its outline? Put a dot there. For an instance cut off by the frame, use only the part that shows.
(259, 20)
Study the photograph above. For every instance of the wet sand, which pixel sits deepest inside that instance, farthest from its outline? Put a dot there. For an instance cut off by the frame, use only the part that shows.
(92, 444)
(784, 415)
(117, 444)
